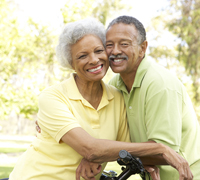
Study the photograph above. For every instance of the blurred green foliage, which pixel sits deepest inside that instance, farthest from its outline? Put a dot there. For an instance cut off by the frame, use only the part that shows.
(27, 55)
(5, 171)
(182, 19)
(28, 62)
(99, 9)
(12, 150)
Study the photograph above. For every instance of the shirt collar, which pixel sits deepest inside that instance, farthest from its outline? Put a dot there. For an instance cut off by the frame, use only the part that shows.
(74, 94)
(141, 71)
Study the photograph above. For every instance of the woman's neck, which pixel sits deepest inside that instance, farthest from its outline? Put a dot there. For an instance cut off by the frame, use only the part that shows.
(91, 91)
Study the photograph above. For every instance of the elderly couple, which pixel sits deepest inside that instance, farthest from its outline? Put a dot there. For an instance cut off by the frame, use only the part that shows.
(85, 123)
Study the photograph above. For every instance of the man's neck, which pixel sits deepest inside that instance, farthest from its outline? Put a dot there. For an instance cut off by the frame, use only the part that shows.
(129, 77)
(128, 80)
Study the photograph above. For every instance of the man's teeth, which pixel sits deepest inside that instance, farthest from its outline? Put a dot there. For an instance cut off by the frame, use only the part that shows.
(117, 60)
(95, 69)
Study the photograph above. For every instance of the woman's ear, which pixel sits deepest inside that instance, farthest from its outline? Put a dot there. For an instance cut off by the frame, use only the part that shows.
(143, 48)
(72, 64)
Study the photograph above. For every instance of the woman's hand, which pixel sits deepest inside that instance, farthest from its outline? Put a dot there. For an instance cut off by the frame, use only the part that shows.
(87, 170)
(154, 172)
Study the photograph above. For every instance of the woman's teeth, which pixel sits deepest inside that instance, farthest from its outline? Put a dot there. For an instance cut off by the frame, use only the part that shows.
(95, 69)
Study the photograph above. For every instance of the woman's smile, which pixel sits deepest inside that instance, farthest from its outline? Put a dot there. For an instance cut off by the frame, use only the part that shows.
(96, 69)
(89, 59)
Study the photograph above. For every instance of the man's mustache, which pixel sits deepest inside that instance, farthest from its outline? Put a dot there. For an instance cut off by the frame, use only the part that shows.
(112, 57)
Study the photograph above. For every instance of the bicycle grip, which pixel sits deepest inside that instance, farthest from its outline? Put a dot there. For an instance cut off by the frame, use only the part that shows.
(125, 156)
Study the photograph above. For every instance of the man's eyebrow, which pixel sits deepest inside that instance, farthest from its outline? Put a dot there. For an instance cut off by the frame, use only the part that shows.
(125, 40)
(120, 40)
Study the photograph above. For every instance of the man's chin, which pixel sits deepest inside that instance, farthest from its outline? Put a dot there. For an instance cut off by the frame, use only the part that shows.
(117, 69)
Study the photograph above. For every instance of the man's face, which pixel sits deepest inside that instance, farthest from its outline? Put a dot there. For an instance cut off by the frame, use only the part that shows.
(123, 49)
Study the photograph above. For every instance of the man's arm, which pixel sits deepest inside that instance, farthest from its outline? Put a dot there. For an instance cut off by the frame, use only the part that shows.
(93, 151)
(153, 160)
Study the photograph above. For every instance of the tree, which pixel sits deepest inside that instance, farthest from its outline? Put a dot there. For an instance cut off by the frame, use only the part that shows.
(186, 26)
(100, 9)
(27, 55)
(180, 20)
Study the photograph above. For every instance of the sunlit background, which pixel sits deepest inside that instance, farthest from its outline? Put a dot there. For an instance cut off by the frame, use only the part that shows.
(29, 32)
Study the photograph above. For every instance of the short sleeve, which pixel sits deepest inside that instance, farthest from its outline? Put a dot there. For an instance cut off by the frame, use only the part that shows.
(55, 116)
(163, 116)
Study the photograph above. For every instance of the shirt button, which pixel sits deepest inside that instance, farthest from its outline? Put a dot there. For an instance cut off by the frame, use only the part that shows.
(130, 107)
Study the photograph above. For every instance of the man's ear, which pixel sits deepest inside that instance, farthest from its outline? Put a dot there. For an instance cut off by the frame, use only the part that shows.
(143, 48)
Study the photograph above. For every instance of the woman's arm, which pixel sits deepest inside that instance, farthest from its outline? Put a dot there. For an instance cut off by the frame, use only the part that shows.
(100, 150)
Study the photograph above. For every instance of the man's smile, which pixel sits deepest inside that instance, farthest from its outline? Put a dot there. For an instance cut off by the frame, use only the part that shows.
(117, 58)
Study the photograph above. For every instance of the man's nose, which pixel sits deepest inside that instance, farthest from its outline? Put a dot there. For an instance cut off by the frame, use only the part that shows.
(116, 50)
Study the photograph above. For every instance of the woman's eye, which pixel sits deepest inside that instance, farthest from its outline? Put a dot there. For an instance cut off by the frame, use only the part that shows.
(81, 57)
(99, 51)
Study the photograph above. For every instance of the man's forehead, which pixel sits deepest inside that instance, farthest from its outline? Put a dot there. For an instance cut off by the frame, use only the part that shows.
(117, 25)
(121, 31)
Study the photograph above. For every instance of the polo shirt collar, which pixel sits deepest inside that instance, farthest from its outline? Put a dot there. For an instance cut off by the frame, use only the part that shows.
(141, 71)
(73, 93)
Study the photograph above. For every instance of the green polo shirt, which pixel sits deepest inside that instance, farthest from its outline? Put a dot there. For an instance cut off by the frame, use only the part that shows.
(159, 109)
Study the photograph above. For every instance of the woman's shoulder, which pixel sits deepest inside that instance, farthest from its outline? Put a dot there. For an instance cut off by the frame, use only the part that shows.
(56, 90)
(113, 90)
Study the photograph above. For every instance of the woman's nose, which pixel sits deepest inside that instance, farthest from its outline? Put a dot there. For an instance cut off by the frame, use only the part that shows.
(94, 59)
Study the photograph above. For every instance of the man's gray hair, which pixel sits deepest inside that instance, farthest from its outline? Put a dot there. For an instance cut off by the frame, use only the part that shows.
(131, 21)
(72, 33)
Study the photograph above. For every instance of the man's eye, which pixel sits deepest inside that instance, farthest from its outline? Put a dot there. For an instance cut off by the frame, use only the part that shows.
(124, 44)
(108, 45)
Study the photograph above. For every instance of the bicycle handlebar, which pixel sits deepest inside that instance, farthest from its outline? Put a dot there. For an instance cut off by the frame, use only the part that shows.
(133, 166)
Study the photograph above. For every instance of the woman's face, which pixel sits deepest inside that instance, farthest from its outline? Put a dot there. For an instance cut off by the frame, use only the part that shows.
(89, 58)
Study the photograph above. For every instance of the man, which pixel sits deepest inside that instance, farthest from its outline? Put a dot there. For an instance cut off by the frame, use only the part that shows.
(159, 109)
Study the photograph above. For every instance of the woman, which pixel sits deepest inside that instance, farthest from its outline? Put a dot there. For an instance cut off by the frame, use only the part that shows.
(81, 117)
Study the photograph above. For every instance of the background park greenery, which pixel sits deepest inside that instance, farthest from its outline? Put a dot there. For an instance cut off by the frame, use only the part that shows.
(28, 62)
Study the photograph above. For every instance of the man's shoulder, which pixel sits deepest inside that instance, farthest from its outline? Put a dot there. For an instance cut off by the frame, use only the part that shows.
(159, 77)
(114, 80)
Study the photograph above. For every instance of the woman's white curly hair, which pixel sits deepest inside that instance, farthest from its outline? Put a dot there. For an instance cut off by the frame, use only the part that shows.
(73, 32)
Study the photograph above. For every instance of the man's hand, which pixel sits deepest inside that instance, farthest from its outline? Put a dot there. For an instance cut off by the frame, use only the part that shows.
(179, 163)
(37, 127)
(87, 170)
(154, 172)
